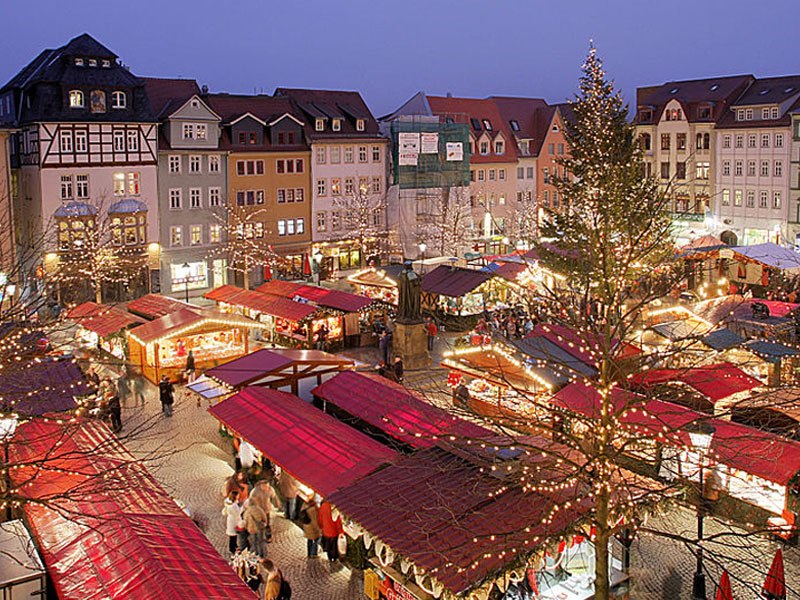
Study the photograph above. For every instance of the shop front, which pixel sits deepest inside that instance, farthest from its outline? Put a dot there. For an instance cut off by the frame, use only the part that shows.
(161, 347)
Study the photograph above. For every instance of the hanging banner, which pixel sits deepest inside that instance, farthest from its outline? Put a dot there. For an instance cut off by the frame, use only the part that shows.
(430, 143)
(409, 148)
(455, 151)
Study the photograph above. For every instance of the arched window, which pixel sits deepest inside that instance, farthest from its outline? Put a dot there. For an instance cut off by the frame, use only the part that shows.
(706, 141)
(118, 99)
(699, 141)
(76, 99)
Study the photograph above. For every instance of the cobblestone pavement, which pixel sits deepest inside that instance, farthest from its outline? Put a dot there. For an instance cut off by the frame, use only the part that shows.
(201, 459)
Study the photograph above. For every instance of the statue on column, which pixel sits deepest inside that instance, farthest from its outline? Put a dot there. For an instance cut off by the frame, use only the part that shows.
(409, 287)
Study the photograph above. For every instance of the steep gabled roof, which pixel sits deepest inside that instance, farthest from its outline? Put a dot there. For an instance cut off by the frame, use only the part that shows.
(520, 111)
(332, 104)
(86, 45)
(770, 90)
(169, 94)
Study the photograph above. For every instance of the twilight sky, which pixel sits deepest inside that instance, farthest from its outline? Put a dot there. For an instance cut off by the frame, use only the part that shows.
(390, 49)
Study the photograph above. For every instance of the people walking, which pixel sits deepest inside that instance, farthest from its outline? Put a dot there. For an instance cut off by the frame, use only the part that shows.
(190, 368)
(264, 496)
(167, 394)
(137, 387)
(287, 485)
(309, 522)
(383, 346)
(232, 511)
(123, 386)
(276, 588)
(431, 329)
(93, 378)
(331, 528)
(256, 521)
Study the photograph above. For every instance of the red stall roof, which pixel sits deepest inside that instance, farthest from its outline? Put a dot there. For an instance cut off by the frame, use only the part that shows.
(278, 287)
(394, 409)
(185, 319)
(153, 306)
(581, 348)
(245, 369)
(125, 538)
(269, 304)
(748, 449)
(103, 320)
(451, 281)
(336, 299)
(316, 449)
(715, 382)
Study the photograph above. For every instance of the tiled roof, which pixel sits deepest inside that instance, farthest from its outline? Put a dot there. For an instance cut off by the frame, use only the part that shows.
(447, 280)
(523, 112)
(346, 105)
(770, 90)
(479, 109)
(163, 92)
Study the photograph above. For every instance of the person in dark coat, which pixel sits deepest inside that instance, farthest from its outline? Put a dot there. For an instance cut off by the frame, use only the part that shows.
(383, 346)
(190, 368)
(166, 392)
(93, 378)
(398, 369)
(114, 409)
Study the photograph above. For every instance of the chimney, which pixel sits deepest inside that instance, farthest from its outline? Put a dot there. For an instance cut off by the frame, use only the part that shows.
(449, 94)
(204, 89)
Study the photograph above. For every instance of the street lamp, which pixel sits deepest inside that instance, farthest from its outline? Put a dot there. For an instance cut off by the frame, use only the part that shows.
(186, 270)
(318, 263)
(701, 435)
(422, 248)
(8, 425)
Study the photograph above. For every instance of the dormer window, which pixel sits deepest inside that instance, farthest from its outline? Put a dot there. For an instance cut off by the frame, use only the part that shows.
(118, 99)
(774, 112)
(740, 115)
(675, 114)
(92, 62)
(319, 124)
(484, 148)
(499, 147)
(76, 99)
(704, 112)
(78, 62)
(514, 125)
(524, 147)
(359, 124)
(106, 64)
(645, 116)
(336, 125)
(748, 114)
(487, 124)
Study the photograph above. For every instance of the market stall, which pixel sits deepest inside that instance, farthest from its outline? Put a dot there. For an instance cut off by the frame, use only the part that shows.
(381, 407)
(457, 291)
(288, 322)
(149, 550)
(291, 370)
(378, 284)
(42, 386)
(751, 318)
(316, 449)
(347, 318)
(161, 347)
(476, 519)
(103, 328)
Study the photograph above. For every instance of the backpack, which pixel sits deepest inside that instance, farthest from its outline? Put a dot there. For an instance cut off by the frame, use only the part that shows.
(285, 592)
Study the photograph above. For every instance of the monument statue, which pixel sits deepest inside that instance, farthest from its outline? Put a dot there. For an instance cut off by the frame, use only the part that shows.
(409, 287)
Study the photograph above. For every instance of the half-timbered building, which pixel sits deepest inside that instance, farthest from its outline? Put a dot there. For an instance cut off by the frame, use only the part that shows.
(86, 144)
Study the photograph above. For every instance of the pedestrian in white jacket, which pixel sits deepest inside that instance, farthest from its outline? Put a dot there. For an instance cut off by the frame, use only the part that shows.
(232, 511)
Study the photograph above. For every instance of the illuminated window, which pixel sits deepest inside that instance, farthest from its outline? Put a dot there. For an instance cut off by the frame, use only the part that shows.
(214, 234)
(133, 184)
(196, 235)
(175, 236)
(119, 184)
(76, 99)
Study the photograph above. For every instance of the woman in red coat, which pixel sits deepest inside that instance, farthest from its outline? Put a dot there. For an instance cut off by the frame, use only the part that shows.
(330, 531)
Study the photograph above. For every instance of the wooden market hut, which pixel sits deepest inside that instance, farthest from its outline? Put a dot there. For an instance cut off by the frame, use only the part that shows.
(378, 284)
(456, 290)
(288, 322)
(161, 346)
(347, 317)
(102, 328)
(153, 306)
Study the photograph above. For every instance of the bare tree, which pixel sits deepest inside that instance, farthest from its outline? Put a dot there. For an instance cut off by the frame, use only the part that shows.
(447, 224)
(365, 218)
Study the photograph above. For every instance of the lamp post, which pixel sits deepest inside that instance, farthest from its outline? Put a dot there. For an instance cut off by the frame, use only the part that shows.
(422, 248)
(701, 435)
(186, 270)
(8, 425)
(318, 263)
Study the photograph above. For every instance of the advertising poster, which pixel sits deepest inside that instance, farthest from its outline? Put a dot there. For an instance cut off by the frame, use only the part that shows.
(430, 143)
(455, 151)
(409, 148)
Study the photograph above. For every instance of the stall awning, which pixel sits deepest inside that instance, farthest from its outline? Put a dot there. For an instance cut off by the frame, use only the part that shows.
(715, 382)
(278, 287)
(681, 330)
(748, 449)
(496, 364)
(542, 352)
(320, 296)
(185, 320)
(102, 320)
(316, 449)
(451, 281)
(268, 304)
(722, 339)
(374, 277)
(771, 255)
(395, 410)
(153, 306)
(124, 536)
(41, 386)
(276, 367)
(770, 351)
(208, 388)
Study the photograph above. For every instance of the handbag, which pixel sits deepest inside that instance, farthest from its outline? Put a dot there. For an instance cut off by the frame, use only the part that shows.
(341, 544)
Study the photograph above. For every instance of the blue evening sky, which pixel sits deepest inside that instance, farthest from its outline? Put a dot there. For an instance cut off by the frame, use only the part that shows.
(388, 49)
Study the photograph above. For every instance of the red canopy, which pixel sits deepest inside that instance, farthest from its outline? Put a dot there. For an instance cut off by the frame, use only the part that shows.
(103, 320)
(715, 382)
(775, 585)
(394, 409)
(323, 453)
(269, 304)
(120, 537)
(152, 306)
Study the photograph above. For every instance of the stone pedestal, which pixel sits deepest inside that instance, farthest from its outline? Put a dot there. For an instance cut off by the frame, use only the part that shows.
(410, 342)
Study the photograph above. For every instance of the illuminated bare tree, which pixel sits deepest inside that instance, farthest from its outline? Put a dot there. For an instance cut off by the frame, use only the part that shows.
(365, 217)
